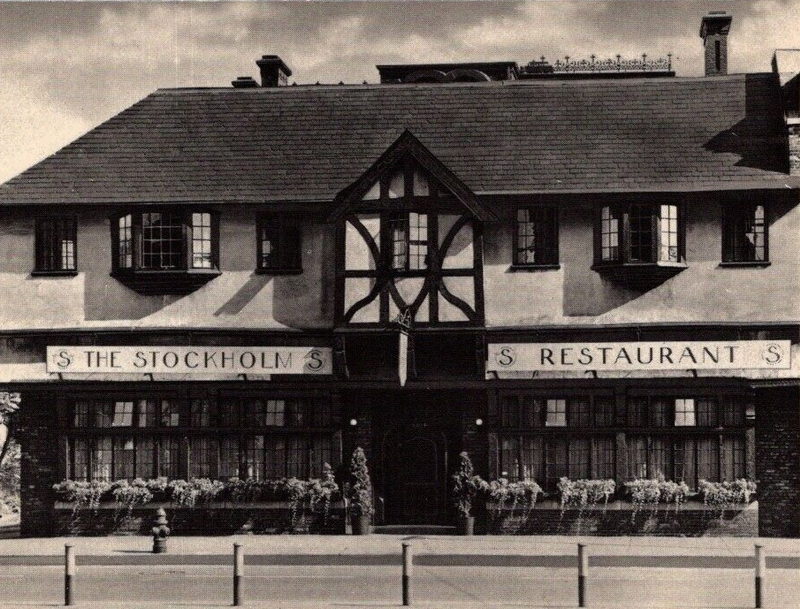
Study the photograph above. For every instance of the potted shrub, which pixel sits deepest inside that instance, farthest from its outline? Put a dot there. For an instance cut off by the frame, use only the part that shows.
(466, 486)
(360, 494)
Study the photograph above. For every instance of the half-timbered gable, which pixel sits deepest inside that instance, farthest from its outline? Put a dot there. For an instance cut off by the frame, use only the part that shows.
(409, 242)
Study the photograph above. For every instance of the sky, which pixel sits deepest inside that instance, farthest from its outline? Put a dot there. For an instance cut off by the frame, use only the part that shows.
(66, 67)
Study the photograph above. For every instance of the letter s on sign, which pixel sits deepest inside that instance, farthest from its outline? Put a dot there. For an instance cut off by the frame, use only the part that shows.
(63, 359)
(505, 356)
(314, 361)
(773, 354)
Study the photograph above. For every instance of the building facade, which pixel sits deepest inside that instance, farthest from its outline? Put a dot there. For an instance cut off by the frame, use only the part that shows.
(585, 269)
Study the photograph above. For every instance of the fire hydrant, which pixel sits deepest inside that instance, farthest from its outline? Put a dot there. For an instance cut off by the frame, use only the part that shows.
(160, 532)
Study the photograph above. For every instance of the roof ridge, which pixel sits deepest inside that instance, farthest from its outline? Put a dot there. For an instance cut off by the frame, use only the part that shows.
(528, 82)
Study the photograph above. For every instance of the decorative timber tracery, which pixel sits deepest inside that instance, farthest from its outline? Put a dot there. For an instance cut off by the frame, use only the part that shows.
(409, 241)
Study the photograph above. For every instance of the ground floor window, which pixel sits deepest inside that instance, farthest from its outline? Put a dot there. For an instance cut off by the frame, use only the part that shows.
(120, 456)
(548, 458)
(257, 457)
(257, 437)
(680, 437)
(687, 459)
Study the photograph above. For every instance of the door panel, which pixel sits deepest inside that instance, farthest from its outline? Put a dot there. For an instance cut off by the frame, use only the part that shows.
(421, 480)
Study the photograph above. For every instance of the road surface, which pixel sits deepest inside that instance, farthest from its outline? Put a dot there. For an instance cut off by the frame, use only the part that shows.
(364, 586)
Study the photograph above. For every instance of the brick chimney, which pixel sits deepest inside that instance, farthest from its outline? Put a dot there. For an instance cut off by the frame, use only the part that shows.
(244, 82)
(274, 72)
(714, 31)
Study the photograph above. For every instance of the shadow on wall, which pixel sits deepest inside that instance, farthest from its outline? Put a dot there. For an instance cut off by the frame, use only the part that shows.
(307, 300)
(295, 301)
(106, 299)
(544, 295)
(244, 295)
(586, 292)
(746, 138)
(705, 287)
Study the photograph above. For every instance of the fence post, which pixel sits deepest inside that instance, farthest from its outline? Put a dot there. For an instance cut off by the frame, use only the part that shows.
(238, 574)
(408, 560)
(761, 568)
(69, 573)
(583, 573)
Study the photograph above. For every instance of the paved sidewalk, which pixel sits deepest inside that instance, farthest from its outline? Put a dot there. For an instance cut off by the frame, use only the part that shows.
(391, 544)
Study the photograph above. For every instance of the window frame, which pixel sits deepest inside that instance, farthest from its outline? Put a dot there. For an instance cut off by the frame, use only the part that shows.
(91, 407)
(170, 447)
(550, 258)
(391, 221)
(623, 211)
(186, 254)
(287, 233)
(732, 213)
(41, 269)
(549, 446)
(718, 424)
(160, 446)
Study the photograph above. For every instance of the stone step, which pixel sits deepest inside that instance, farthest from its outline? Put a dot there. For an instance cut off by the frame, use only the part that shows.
(414, 529)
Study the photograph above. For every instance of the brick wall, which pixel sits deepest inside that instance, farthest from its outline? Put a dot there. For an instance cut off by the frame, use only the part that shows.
(474, 439)
(778, 462)
(683, 522)
(196, 521)
(36, 431)
(711, 55)
(794, 149)
(357, 407)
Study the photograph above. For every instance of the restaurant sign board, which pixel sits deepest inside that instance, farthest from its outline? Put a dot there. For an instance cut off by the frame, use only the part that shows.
(624, 356)
(189, 360)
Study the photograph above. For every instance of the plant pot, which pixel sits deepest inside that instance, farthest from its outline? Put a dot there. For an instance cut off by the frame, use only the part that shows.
(465, 525)
(362, 525)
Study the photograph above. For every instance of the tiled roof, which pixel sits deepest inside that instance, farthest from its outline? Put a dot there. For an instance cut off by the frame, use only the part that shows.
(308, 142)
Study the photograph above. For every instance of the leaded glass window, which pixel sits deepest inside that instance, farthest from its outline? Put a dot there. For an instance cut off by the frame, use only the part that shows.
(536, 234)
(56, 240)
(745, 233)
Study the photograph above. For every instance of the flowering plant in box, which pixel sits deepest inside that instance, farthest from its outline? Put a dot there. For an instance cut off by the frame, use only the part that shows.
(194, 491)
(83, 493)
(131, 494)
(583, 492)
(722, 494)
(644, 491)
(523, 492)
(158, 487)
(248, 490)
(322, 492)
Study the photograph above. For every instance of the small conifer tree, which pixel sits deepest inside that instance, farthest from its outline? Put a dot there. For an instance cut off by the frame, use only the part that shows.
(466, 485)
(361, 485)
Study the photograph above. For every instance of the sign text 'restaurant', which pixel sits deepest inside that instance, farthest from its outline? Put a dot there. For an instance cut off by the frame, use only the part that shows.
(189, 360)
(705, 355)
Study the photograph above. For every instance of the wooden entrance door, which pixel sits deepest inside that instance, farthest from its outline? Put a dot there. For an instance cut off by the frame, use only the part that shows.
(418, 431)
(420, 480)
(414, 483)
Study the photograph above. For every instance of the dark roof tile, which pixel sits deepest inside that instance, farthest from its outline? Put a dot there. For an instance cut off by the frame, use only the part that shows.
(308, 143)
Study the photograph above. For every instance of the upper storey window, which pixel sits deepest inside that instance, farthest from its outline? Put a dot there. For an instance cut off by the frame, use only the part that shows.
(639, 244)
(536, 237)
(640, 233)
(153, 244)
(56, 246)
(279, 245)
(409, 242)
(744, 234)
